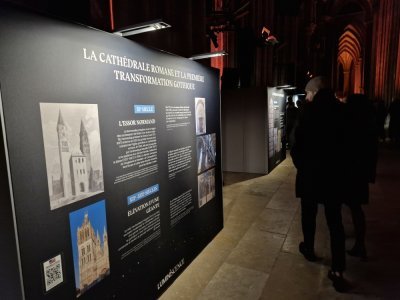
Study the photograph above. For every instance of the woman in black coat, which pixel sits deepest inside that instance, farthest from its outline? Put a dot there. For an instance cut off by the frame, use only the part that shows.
(362, 143)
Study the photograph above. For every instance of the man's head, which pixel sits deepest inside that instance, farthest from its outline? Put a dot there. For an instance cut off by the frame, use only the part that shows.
(314, 85)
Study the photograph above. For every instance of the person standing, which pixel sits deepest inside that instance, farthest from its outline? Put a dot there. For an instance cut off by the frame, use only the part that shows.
(318, 155)
(380, 111)
(362, 141)
(291, 117)
(394, 123)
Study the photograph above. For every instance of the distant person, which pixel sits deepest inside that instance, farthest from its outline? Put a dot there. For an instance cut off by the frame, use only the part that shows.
(394, 123)
(291, 117)
(318, 154)
(362, 149)
(299, 104)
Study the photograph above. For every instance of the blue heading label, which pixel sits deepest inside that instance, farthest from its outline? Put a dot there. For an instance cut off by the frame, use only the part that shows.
(144, 109)
(143, 194)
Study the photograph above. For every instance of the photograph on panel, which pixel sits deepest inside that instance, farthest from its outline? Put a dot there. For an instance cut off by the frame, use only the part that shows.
(206, 152)
(90, 252)
(200, 105)
(206, 186)
(71, 137)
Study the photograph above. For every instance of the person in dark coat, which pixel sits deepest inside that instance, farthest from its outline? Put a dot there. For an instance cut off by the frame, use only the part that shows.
(291, 117)
(381, 113)
(394, 122)
(362, 141)
(318, 154)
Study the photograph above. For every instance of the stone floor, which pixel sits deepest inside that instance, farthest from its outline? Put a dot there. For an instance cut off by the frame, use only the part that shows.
(256, 255)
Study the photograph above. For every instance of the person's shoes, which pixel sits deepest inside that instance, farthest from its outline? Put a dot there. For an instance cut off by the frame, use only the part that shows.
(307, 253)
(358, 252)
(339, 283)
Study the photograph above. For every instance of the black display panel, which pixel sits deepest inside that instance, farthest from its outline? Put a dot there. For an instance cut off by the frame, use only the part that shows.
(114, 159)
(276, 108)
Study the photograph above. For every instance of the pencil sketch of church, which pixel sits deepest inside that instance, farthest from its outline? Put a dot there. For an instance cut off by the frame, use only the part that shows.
(73, 152)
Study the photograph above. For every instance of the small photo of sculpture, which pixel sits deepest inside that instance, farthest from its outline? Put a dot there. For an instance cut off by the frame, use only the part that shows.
(206, 152)
(71, 137)
(89, 246)
(200, 108)
(206, 186)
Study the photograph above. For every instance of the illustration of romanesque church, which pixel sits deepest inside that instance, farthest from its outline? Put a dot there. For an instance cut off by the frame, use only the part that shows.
(77, 176)
(93, 255)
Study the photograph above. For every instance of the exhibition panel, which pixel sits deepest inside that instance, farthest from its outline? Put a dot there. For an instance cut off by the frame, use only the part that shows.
(254, 129)
(276, 126)
(113, 159)
(244, 130)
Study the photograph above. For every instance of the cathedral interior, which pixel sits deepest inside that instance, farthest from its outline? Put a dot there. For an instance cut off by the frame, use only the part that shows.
(275, 42)
(356, 44)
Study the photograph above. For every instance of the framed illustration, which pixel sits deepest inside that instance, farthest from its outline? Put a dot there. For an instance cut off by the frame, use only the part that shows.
(71, 138)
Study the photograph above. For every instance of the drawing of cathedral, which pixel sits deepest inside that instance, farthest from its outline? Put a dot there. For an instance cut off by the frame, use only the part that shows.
(93, 255)
(77, 178)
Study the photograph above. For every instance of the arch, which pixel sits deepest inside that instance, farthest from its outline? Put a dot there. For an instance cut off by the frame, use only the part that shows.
(346, 59)
(350, 41)
(350, 56)
(351, 19)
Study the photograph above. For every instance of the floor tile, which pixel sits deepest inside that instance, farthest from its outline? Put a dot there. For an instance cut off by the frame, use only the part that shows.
(235, 283)
(256, 254)
(257, 250)
(275, 220)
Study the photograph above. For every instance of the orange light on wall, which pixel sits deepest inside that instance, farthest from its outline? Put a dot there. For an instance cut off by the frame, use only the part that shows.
(111, 15)
(218, 62)
(350, 58)
(383, 65)
(397, 82)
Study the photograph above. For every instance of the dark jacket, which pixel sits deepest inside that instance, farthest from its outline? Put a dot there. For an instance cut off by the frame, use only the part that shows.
(319, 148)
(362, 141)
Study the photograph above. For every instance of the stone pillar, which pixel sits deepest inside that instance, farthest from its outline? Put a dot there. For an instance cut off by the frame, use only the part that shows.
(358, 75)
(346, 82)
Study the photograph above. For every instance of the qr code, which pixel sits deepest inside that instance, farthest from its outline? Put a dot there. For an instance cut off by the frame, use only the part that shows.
(53, 272)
